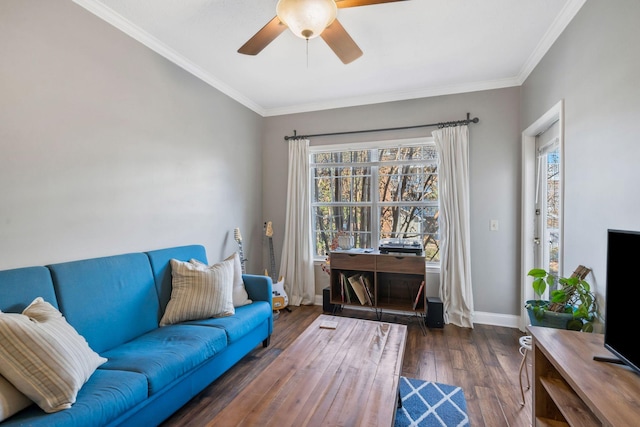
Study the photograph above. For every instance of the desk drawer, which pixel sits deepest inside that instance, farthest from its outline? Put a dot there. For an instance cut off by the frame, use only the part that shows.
(410, 264)
(346, 261)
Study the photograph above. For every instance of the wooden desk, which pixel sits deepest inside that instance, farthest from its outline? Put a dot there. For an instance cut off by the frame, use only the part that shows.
(348, 376)
(571, 389)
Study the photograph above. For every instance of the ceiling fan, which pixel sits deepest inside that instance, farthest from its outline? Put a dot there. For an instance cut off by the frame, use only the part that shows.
(308, 19)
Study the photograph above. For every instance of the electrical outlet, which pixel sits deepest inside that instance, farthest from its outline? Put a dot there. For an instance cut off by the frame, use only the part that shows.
(494, 225)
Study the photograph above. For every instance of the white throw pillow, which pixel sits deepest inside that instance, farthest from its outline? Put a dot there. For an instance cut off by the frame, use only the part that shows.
(11, 400)
(240, 296)
(44, 357)
(199, 293)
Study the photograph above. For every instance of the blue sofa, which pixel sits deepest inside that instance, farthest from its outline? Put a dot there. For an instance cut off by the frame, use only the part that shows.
(116, 304)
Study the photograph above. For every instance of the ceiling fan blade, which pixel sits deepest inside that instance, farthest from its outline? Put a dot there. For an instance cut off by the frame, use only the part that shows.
(262, 38)
(341, 42)
(353, 3)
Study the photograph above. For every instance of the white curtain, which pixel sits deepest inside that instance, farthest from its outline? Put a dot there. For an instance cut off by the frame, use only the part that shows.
(453, 183)
(296, 265)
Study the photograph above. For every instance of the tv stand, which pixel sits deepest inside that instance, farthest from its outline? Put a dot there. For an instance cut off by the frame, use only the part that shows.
(396, 281)
(608, 359)
(570, 388)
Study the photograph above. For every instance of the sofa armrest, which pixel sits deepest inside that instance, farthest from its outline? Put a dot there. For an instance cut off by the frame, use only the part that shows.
(258, 287)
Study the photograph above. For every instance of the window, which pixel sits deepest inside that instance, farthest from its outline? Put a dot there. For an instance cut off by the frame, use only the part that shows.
(548, 205)
(375, 192)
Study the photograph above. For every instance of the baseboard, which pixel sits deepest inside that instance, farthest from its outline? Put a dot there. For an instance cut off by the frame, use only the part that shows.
(496, 319)
(479, 317)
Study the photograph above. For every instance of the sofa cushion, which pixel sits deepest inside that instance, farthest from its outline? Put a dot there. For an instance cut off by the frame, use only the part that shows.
(44, 357)
(166, 353)
(20, 286)
(199, 293)
(109, 300)
(105, 397)
(11, 399)
(246, 319)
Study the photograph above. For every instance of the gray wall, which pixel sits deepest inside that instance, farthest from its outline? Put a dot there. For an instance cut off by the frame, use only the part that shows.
(495, 175)
(594, 66)
(106, 147)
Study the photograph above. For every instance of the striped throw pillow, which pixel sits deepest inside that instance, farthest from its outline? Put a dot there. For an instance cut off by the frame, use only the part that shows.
(44, 357)
(199, 293)
(12, 400)
(240, 295)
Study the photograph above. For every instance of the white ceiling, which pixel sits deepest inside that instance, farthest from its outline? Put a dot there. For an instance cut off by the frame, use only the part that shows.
(412, 49)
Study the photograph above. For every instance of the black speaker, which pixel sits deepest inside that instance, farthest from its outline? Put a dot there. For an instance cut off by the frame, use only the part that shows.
(435, 313)
(326, 305)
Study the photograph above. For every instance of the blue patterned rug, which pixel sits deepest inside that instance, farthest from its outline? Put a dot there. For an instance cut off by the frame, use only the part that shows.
(429, 404)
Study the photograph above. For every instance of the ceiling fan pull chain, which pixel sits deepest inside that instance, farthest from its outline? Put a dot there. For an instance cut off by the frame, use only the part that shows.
(307, 53)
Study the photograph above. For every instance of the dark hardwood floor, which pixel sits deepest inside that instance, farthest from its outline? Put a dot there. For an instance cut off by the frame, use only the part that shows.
(484, 361)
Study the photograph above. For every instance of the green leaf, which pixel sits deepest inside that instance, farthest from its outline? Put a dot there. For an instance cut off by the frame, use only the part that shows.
(574, 325)
(539, 286)
(558, 296)
(537, 272)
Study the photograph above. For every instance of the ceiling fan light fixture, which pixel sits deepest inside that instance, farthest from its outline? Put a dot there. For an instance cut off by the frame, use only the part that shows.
(307, 18)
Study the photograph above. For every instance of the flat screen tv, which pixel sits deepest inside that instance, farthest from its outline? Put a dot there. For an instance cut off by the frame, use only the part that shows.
(622, 293)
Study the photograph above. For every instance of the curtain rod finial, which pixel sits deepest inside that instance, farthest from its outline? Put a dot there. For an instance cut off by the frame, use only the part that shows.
(295, 133)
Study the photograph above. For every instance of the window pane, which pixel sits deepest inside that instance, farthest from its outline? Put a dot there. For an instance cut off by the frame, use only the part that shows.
(342, 184)
(322, 190)
(422, 152)
(412, 223)
(353, 220)
(408, 183)
(358, 156)
(552, 226)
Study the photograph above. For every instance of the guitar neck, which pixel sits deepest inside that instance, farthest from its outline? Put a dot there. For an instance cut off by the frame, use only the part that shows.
(272, 257)
(238, 238)
(242, 260)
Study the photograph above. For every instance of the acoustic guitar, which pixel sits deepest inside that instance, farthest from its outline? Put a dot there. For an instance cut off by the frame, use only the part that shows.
(280, 298)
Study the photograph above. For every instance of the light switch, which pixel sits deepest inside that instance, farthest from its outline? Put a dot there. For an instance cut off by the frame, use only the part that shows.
(494, 225)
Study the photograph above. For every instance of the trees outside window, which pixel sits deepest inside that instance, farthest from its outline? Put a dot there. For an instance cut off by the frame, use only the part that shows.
(375, 193)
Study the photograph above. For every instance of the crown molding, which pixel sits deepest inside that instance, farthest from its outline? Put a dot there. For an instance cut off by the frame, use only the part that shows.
(127, 27)
(561, 22)
(394, 96)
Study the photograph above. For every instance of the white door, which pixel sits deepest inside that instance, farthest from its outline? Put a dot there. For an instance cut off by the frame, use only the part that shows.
(542, 198)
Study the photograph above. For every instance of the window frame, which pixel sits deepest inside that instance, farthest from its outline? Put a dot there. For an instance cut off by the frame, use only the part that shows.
(374, 204)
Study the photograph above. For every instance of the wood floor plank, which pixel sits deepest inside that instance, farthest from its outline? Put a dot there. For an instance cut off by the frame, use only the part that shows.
(484, 361)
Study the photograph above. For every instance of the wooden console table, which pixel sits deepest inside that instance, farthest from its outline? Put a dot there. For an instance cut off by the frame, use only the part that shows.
(572, 389)
(394, 280)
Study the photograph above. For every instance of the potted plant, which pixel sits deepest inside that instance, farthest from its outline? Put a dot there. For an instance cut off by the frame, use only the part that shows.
(571, 306)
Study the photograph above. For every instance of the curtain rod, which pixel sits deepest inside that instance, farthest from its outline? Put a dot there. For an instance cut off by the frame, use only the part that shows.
(467, 121)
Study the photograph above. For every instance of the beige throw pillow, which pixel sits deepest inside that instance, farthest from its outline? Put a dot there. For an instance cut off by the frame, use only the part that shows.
(44, 357)
(11, 400)
(199, 293)
(240, 296)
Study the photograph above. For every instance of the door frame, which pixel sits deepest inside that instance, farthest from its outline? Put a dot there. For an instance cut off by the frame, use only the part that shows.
(527, 233)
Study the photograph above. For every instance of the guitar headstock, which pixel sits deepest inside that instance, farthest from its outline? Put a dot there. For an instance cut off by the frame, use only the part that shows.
(236, 235)
(269, 230)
